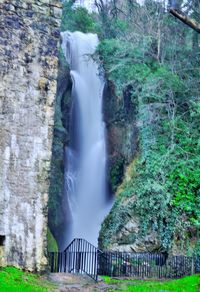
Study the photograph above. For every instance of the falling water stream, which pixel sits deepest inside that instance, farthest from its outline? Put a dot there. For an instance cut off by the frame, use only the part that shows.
(85, 157)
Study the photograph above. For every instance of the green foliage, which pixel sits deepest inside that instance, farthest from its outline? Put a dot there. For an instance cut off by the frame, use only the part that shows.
(12, 279)
(51, 242)
(123, 63)
(116, 173)
(197, 249)
(186, 284)
(76, 19)
(55, 193)
(186, 188)
(164, 89)
(160, 84)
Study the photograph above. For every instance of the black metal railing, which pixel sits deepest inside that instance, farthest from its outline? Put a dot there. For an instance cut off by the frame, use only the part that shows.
(81, 257)
(146, 265)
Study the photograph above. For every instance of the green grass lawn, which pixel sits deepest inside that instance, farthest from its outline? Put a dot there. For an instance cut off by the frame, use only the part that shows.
(12, 279)
(186, 284)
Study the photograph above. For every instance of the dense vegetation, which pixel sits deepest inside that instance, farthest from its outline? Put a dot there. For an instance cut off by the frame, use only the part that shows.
(158, 58)
(155, 58)
(77, 18)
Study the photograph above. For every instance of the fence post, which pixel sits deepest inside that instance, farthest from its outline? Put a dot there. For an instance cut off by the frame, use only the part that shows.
(52, 262)
(193, 266)
(78, 257)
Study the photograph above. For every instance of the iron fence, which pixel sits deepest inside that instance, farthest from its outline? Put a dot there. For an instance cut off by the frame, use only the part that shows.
(146, 265)
(81, 257)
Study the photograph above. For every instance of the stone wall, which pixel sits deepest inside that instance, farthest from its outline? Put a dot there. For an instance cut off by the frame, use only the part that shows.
(29, 35)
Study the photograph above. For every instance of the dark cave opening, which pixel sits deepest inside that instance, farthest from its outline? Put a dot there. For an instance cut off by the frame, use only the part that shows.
(2, 240)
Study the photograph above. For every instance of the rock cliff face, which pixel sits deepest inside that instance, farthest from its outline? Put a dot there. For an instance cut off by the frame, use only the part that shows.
(57, 212)
(122, 133)
(29, 35)
(121, 130)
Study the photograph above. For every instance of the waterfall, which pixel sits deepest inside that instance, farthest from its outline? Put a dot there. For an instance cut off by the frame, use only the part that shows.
(85, 157)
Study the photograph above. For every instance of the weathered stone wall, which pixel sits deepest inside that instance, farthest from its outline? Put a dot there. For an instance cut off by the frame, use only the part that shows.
(29, 35)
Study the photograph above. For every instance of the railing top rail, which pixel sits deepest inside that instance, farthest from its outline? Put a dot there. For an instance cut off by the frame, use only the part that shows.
(70, 244)
(74, 241)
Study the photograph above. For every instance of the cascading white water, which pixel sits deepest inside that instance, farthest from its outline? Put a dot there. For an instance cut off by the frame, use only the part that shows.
(85, 161)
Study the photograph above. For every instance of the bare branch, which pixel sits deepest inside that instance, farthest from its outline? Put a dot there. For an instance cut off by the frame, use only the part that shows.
(185, 19)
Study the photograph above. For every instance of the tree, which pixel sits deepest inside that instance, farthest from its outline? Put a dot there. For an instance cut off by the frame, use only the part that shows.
(76, 18)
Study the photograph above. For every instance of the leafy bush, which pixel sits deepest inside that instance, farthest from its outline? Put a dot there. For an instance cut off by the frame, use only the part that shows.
(167, 179)
(76, 18)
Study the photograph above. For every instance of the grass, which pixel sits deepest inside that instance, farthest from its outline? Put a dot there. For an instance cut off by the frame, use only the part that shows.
(12, 279)
(186, 284)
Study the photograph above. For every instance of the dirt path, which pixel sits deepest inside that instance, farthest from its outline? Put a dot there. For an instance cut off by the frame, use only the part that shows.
(74, 283)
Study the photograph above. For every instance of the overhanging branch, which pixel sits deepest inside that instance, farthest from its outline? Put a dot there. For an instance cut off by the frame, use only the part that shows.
(185, 19)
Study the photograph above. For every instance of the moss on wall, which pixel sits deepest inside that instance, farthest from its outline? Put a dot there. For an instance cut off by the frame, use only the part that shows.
(57, 213)
(52, 244)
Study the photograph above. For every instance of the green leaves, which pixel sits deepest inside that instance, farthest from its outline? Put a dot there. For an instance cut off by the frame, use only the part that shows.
(123, 62)
(166, 185)
(76, 18)
(186, 186)
(160, 85)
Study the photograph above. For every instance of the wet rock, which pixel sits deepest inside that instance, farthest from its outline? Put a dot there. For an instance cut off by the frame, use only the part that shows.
(122, 133)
